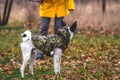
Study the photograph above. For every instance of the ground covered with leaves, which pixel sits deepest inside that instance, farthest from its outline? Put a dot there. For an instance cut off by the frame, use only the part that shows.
(86, 58)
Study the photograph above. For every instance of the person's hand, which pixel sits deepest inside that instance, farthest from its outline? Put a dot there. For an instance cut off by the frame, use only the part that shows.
(71, 11)
(38, 1)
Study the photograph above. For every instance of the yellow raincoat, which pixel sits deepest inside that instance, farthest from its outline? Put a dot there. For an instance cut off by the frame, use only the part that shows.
(59, 8)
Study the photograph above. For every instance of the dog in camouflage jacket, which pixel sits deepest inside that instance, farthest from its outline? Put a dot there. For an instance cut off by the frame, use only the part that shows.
(51, 45)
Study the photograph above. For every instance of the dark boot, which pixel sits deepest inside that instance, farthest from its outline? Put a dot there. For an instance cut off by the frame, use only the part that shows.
(40, 55)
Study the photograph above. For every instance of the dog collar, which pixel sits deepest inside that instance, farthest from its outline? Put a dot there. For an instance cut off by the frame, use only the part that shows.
(26, 40)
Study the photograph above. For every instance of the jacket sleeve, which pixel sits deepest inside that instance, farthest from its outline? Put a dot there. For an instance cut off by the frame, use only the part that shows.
(70, 4)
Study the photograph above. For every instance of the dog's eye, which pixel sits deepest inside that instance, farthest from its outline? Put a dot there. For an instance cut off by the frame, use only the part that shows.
(24, 35)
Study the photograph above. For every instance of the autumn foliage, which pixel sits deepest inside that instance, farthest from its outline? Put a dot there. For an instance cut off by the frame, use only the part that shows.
(87, 57)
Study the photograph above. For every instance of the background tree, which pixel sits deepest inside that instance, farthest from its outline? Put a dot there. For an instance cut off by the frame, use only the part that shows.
(103, 6)
(6, 12)
(0, 18)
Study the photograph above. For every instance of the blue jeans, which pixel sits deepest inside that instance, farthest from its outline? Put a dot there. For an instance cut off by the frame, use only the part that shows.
(45, 24)
(44, 29)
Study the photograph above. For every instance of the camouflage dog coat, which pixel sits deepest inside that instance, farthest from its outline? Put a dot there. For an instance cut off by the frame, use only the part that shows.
(47, 43)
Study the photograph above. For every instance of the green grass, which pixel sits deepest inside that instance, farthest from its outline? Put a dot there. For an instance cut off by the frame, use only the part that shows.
(87, 57)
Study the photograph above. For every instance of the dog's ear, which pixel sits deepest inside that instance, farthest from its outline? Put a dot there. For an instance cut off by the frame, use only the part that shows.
(73, 27)
(63, 24)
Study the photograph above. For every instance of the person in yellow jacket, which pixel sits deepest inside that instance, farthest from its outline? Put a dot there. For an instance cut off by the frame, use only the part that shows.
(57, 9)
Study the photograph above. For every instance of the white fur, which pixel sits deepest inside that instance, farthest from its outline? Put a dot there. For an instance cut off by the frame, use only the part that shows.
(57, 60)
(28, 33)
(71, 33)
(27, 47)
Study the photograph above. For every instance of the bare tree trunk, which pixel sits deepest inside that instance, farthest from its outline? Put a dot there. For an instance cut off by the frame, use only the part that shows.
(7, 10)
(103, 6)
(0, 19)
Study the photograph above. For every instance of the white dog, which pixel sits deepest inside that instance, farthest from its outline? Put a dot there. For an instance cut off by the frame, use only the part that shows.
(30, 49)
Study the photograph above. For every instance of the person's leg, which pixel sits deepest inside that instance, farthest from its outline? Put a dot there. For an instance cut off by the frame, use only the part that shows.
(58, 23)
(44, 25)
(43, 31)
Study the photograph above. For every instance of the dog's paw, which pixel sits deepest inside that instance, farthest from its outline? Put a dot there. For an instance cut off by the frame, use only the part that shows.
(57, 73)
